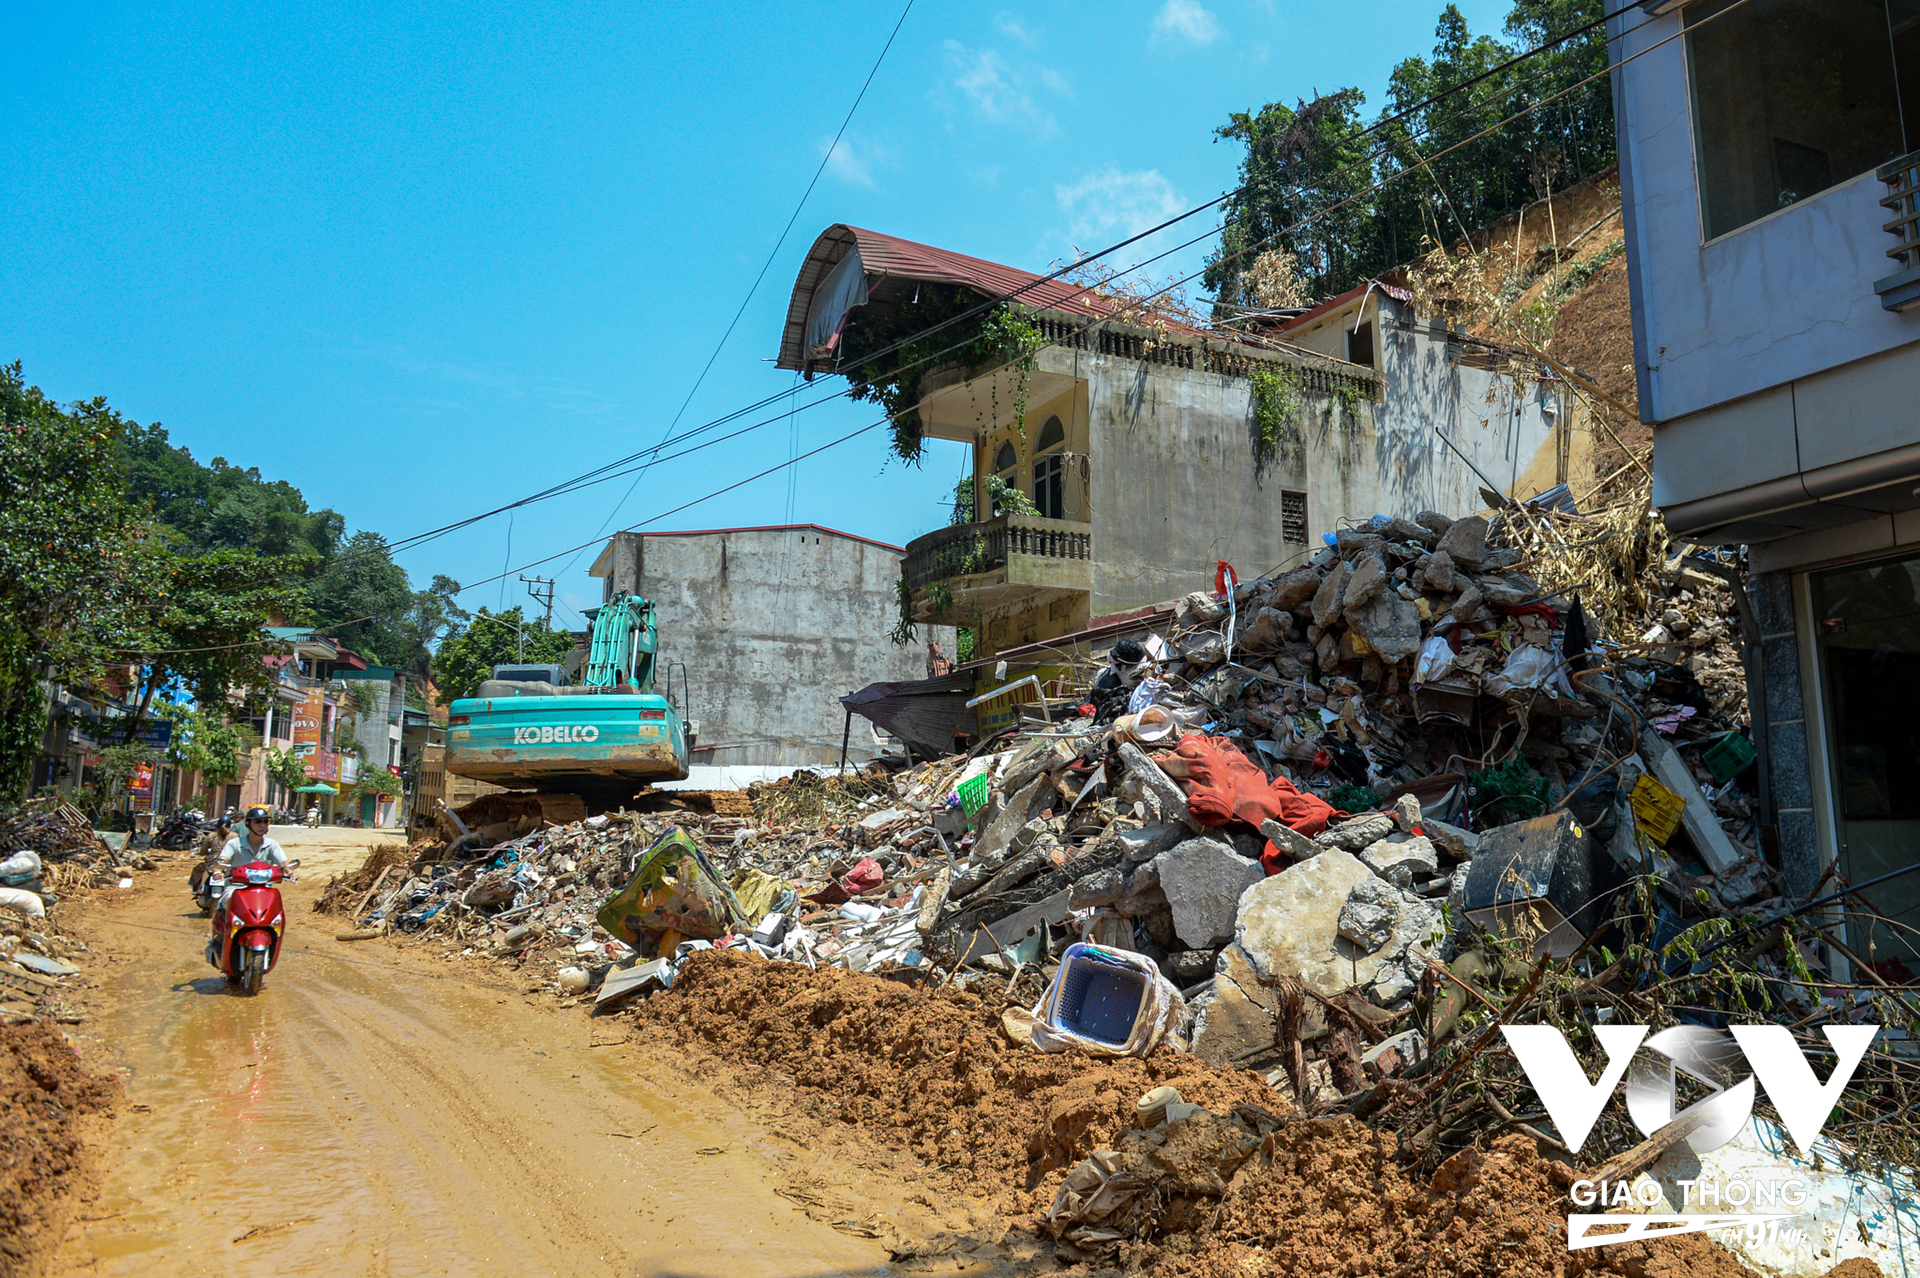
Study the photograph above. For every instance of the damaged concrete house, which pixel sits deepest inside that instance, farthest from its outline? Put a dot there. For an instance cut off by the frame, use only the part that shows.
(1152, 447)
(761, 630)
(1774, 260)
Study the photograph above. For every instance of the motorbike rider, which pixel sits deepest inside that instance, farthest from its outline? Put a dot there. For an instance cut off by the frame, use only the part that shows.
(212, 844)
(244, 849)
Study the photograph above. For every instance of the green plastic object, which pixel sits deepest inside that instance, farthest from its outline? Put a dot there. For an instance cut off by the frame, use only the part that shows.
(1728, 757)
(973, 793)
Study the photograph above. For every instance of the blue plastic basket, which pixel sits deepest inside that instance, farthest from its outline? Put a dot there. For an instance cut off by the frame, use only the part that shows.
(1100, 995)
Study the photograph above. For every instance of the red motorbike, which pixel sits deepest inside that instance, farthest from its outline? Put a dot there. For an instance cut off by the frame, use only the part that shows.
(246, 928)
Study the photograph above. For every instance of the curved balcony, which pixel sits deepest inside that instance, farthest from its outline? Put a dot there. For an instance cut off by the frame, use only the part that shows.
(999, 566)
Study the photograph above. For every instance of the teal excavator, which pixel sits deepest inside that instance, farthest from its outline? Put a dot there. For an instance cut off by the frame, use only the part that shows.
(532, 728)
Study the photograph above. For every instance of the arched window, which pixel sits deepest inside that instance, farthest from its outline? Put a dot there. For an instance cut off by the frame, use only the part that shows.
(1049, 470)
(1052, 435)
(1006, 467)
(1005, 460)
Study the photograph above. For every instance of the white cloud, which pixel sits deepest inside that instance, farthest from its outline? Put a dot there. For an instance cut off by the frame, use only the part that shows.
(845, 164)
(1013, 29)
(1110, 205)
(1188, 20)
(997, 90)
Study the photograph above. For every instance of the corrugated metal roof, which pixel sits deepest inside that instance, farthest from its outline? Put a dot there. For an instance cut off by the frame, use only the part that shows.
(886, 256)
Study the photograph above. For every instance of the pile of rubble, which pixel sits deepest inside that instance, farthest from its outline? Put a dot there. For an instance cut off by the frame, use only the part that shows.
(1289, 787)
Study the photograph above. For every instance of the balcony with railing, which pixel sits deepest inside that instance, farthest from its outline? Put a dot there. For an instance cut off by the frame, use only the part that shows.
(1902, 289)
(1003, 564)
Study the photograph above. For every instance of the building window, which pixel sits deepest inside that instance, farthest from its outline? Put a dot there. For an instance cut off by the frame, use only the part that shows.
(1049, 471)
(1792, 97)
(1360, 345)
(1006, 464)
(1293, 517)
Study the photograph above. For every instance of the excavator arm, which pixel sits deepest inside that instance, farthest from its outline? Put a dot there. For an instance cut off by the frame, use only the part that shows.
(623, 645)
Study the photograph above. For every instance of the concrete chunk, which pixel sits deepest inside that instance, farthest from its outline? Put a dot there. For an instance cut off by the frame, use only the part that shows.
(1289, 840)
(1368, 917)
(1203, 880)
(1402, 858)
(1357, 833)
(1326, 601)
(1369, 577)
(1389, 623)
(1465, 540)
(1290, 927)
(1295, 588)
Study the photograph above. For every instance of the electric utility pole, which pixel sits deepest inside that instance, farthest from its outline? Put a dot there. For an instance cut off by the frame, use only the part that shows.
(541, 597)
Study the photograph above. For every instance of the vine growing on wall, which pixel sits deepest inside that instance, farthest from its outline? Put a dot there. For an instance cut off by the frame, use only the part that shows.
(894, 380)
(903, 632)
(1276, 405)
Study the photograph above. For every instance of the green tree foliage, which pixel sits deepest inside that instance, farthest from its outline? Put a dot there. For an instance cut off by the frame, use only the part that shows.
(204, 742)
(199, 620)
(286, 767)
(364, 600)
(494, 639)
(1304, 165)
(220, 505)
(72, 555)
(893, 380)
(356, 593)
(377, 781)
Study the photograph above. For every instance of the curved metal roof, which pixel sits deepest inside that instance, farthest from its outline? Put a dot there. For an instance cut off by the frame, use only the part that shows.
(886, 256)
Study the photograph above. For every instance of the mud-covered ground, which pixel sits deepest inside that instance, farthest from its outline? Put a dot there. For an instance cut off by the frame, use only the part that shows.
(387, 1110)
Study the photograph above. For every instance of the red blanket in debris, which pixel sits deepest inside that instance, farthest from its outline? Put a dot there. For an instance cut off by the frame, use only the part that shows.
(1224, 785)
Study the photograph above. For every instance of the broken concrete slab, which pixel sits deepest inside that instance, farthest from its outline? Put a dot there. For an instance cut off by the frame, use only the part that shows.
(1289, 925)
(1289, 840)
(1438, 573)
(1368, 579)
(1295, 588)
(1172, 799)
(1389, 623)
(1465, 540)
(1451, 839)
(1369, 916)
(1401, 858)
(1149, 841)
(1102, 887)
(1356, 833)
(1326, 601)
(1203, 880)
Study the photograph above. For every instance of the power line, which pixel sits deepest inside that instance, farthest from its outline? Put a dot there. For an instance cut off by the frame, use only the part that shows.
(611, 469)
(773, 253)
(1399, 175)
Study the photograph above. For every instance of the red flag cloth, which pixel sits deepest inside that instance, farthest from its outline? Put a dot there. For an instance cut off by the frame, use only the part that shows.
(1223, 573)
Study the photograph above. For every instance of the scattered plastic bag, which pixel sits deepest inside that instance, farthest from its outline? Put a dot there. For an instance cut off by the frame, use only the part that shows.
(1528, 667)
(1436, 658)
(28, 903)
(674, 893)
(1147, 693)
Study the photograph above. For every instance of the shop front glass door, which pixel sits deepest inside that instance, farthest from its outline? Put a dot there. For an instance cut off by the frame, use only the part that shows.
(1867, 625)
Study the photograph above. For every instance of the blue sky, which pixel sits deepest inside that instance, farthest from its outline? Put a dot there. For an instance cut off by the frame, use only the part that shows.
(426, 261)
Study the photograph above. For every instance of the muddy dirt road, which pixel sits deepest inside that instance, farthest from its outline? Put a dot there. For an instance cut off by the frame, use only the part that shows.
(380, 1112)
